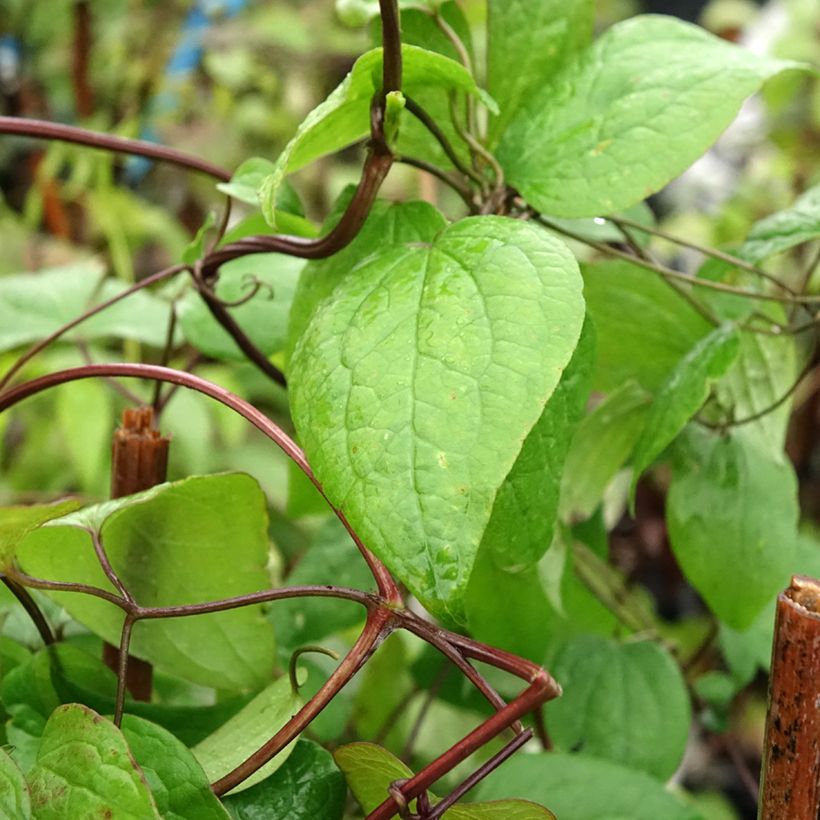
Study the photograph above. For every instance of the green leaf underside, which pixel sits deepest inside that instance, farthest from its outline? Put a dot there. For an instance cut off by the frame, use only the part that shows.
(370, 769)
(177, 782)
(543, 37)
(578, 787)
(85, 769)
(264, 318)
(732, 516)
(602, 443)
(683, 394)
(17, 522)
(634, 111)
(521, 527)
(344, 118)
(307, 786)
(617, 293)
(417, 381)
(15, 802)
(33, 305)
(170, 547)
(387, 224)
(784, 230)
(247, 731)
(625, 703)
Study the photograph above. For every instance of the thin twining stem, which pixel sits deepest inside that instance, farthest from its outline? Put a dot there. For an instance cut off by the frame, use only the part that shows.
(41, 129)
(30, 606)
(110, 573)
(735, 261)
(26, 357)
(462, 190)
(669, 273)
(122, 667)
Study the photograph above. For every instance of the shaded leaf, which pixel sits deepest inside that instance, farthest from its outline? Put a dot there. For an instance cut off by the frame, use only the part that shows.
(15, 802)
(84, 769)
(633, 112)
(413, 388)
(17, 522)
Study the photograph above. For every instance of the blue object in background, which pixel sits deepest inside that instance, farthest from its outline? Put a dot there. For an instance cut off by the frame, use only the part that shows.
(184, 62)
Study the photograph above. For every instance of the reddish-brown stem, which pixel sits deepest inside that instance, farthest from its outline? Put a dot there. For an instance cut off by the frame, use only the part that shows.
(378, 626)
(30, 606)
(83, 93)
(791, 755)
(124, 662)
(43, 130)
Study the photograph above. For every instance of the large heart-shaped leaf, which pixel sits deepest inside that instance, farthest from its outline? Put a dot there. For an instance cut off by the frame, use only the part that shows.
(635, 110)
(417, 381)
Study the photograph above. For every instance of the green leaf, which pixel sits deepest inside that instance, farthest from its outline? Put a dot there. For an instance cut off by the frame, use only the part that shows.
(522, 524)
(308, 786)
(415, 385)
(528, 43)
(763, 373)
(370, 770)
(15, 802)
(177, 782)
(732, 515)
(264, 317)
(196, 247)
(388, 224)
(784, 230)
(343, 118)
(332, 558)
(623, 702)
(647, 349)
(33, 305)
(169, 545)
(247, 731)
(17, 522)
(683, 394)
(602, 443)
(84, 769)
(246, 180)
(634, 111)
(577, 787)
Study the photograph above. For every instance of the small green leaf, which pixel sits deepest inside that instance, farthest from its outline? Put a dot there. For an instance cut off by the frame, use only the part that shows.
(784, 230)
(645, 350)
(177, 782)
(633, 112)
(246, 180)
(17, 522)
(15, 802)
(247, 731)
(395, 103)
(600, 446)
(522, 523)
(732, 516)
(84, 769)
(577, 787)
(543, 36)
(343, 118)
(370, 770)
(626, 703)
(308, 786)
(683, 394)
(264, 317)
(414, 386)
(169, 546)
(196, 247)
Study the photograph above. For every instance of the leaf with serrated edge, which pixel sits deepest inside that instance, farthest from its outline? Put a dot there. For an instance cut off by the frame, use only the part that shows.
(17, 522)
(625, 703)
(15, 801)
(732, 519)
(683, 394)
(168, 546)
(308, 786)
(578, 787)
(633, 112)
(249, 730)
(415, 384)
(370, 770)
(178, 783)
(85, 769)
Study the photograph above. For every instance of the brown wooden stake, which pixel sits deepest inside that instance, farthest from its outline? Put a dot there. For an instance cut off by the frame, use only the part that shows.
(791, 759)
(139, 462)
